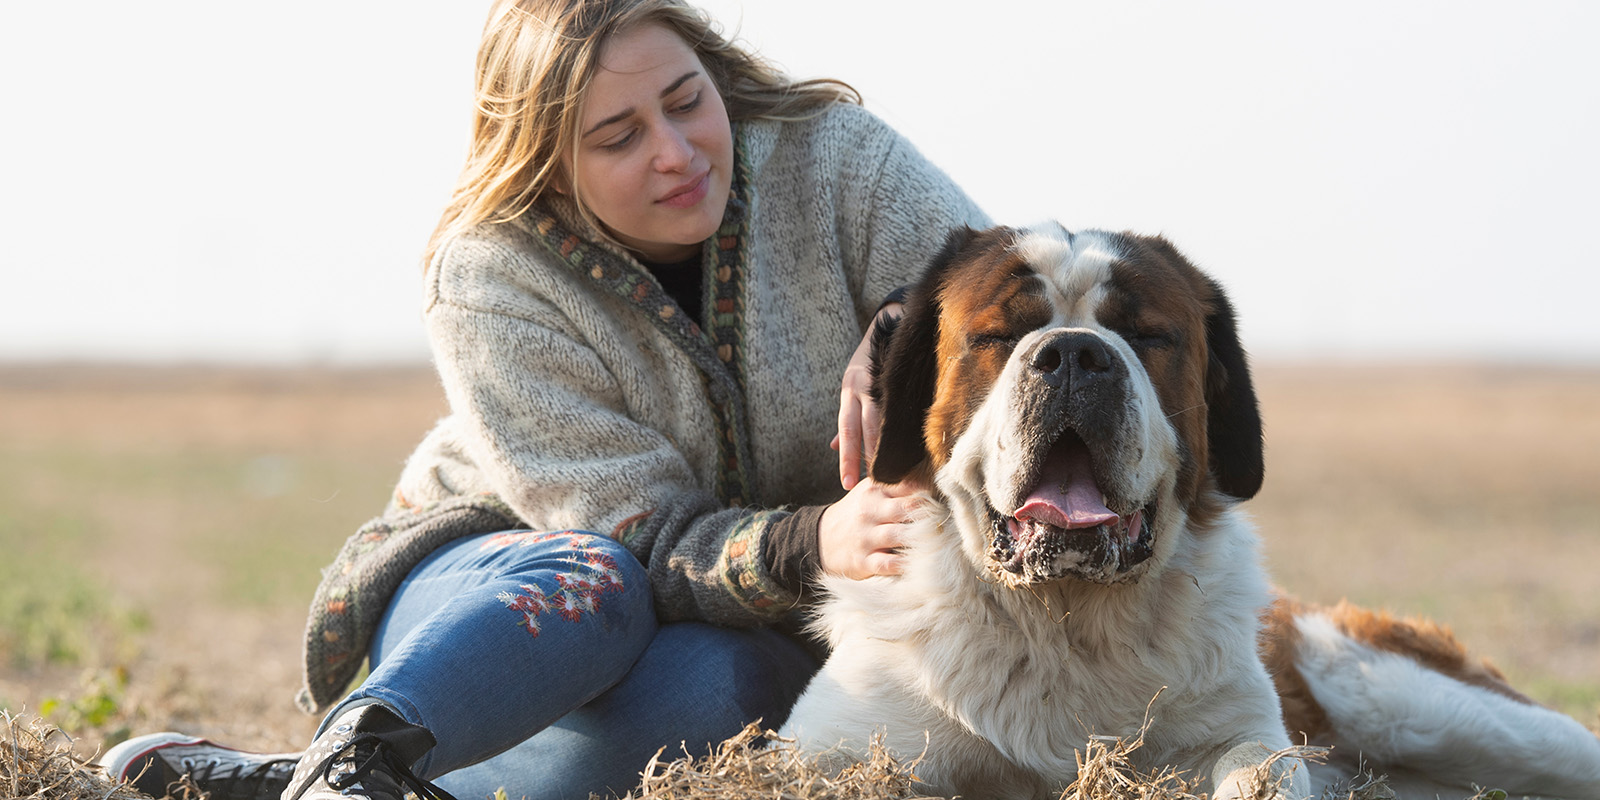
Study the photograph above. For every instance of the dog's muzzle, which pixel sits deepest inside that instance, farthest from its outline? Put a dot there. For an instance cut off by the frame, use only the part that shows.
(1073, 516)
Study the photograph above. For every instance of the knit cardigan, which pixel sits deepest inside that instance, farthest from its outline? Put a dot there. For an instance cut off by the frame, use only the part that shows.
(581, 397)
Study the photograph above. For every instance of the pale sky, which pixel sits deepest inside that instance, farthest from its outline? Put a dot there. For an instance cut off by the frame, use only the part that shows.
(231, 182)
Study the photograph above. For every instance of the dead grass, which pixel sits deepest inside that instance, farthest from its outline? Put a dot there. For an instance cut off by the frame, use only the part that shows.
(757, 763)
(37, 761)
(761, 764)
(1105, 772)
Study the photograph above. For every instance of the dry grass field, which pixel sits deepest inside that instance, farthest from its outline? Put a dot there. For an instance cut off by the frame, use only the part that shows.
(162, 529)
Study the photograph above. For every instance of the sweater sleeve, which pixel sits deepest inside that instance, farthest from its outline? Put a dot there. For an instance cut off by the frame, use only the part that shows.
(729, 566)
(540, 421)
(791, 551)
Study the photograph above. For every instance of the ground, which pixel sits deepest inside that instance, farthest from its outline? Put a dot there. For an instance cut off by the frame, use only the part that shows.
(162, 529)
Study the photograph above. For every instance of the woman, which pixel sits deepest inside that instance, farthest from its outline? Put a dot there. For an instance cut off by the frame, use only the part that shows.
(659, 256)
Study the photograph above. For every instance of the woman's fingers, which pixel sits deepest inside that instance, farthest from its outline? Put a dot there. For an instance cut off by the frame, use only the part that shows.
(861, 535)
(876, 553)
(885, 562)
(848, 440)
(869, 429)
(882, 544)
(857, 439)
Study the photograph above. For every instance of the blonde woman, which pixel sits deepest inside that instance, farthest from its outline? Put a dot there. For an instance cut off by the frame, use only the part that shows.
(661, 255)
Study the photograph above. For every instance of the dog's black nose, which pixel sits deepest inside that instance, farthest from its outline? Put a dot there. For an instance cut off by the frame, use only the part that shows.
(1075, 354)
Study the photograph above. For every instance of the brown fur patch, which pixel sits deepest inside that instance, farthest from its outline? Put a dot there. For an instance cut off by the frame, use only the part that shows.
(1158, 308)
(1279, 639)
(986, 304)
(1427, 642)
(1181, 326)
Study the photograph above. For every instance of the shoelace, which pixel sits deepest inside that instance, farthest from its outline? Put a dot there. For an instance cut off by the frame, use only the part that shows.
(380, 755)
(212, 772)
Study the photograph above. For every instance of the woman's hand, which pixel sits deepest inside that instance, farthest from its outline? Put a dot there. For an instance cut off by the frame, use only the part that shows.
(860, 535)
(857, 439)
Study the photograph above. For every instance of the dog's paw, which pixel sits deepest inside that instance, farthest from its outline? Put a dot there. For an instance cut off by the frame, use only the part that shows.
(1264, 774)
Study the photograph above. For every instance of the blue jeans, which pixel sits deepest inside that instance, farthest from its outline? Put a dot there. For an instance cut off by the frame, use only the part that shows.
(536, 661)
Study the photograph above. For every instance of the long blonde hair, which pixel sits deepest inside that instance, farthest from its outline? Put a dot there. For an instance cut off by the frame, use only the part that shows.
(536, 60)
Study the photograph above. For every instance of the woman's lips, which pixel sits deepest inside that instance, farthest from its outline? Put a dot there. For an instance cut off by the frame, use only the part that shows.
(688, 194)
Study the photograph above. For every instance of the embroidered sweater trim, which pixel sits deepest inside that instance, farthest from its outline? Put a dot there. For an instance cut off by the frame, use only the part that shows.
(744, 575)
(718, 352)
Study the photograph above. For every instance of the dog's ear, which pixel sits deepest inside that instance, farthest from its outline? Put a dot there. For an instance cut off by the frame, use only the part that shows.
(905, 368)
(1233, 424)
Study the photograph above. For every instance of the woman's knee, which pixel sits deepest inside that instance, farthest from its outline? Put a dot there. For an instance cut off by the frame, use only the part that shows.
(533, 550)
(758, 673)
(731, 677)
(549, 577)
(575, 564)
(695, 686)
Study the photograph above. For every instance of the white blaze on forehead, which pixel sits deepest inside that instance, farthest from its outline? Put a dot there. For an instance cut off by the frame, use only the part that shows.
(1075, 266)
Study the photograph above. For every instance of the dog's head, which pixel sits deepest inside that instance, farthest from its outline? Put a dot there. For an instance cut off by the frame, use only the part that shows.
(1077, 398)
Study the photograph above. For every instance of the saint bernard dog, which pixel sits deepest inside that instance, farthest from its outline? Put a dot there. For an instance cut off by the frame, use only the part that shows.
(1083, 410)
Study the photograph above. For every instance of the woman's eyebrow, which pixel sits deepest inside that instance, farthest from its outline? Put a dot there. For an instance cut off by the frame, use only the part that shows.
(673, 87)
(628, 112)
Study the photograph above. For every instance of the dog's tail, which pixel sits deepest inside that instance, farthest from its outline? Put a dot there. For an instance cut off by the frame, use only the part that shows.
(1403, 696)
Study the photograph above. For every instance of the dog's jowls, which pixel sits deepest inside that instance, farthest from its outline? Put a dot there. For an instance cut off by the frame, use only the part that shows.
(1082, 407)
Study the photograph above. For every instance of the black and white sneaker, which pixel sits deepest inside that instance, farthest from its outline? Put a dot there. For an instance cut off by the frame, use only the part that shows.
(366, 752)
(154, 763)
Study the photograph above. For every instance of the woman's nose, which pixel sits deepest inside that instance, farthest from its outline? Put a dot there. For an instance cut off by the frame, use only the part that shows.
(673, 151)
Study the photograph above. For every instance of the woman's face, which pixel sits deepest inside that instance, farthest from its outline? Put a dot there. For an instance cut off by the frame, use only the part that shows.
(655, 149)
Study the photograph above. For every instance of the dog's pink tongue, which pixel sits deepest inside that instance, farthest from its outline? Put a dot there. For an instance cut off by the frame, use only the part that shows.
(1067, 496)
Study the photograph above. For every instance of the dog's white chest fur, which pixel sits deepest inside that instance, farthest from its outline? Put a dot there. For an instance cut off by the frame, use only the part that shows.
(1005, 684)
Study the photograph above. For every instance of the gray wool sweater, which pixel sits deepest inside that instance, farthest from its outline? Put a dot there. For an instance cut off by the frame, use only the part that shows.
(582, 397)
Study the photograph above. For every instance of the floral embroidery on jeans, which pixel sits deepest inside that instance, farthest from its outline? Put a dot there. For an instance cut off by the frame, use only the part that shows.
(577, 591)
(530, 538)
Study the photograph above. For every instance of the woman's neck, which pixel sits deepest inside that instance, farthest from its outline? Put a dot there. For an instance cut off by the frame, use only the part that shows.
(663, 253)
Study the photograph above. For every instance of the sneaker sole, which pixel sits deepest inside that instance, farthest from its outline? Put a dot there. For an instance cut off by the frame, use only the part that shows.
(119, 758)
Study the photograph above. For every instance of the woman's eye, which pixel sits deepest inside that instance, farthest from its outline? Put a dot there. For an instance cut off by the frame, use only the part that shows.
(618, 144)
(688, 105)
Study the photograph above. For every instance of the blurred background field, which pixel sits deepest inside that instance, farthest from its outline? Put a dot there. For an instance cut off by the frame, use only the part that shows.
(162, 529)
(1383, 182)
